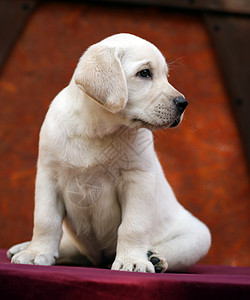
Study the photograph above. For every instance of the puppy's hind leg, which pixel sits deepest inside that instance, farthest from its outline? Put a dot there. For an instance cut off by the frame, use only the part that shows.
(186, 248)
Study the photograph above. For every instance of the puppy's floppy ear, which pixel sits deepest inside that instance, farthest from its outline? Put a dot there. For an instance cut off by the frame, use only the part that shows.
(100, 75)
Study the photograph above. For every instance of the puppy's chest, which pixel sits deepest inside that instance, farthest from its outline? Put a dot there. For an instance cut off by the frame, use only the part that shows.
(86, 185)
(79, 188)
(90, 171)
(103, 157)
(92, 206)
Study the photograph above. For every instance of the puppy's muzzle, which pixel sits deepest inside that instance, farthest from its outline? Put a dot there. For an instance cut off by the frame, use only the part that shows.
(181, 103)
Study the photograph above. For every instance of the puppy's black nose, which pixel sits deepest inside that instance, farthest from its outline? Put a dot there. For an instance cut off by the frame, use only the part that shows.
(181, 103)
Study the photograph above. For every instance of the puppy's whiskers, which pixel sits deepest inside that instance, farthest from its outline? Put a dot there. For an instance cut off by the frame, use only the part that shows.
(175, 63)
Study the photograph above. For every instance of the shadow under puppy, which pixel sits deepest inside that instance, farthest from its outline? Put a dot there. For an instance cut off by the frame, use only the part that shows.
(101, 195)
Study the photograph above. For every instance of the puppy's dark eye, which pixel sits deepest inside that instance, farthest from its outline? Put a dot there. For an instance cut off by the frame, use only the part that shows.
(144, 73)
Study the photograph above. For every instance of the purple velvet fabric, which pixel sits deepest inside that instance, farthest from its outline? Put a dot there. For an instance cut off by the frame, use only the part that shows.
(64, 282)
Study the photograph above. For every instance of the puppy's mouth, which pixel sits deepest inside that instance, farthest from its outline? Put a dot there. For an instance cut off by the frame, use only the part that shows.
(176, 123)
(151, 126)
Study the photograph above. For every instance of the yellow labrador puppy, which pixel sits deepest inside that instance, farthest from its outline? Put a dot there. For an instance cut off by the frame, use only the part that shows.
(101, 196)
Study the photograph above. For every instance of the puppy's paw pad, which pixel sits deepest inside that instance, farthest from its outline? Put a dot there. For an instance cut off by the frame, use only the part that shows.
(159, 263)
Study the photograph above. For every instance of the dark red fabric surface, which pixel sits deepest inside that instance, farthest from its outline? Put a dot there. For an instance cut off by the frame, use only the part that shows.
(63, 282)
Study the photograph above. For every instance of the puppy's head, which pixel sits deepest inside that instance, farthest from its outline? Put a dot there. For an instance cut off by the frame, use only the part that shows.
(129, 76)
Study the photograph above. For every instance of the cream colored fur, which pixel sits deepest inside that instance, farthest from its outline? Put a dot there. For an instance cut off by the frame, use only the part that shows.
(98, 177)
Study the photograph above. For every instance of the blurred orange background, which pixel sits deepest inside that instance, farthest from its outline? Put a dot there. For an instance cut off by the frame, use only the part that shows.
(202, 158)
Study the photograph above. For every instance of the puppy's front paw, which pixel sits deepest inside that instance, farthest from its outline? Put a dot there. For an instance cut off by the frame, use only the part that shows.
(32, 257)
(133, 265)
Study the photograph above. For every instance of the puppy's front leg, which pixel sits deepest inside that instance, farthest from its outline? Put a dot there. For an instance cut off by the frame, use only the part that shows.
(48, 216)
(134, 231)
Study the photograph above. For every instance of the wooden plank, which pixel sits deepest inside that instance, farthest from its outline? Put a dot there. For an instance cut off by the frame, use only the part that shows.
(230, 6)
(231, 37)
(13, 14)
